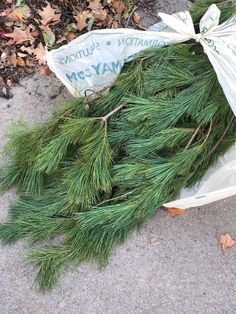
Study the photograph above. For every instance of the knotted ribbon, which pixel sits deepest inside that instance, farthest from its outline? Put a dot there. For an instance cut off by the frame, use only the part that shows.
(218, 41)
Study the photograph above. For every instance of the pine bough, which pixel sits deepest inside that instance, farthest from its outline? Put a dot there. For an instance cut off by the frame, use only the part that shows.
(101, 167)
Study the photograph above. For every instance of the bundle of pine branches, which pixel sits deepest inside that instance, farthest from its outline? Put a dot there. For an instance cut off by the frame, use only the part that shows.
(100, 167)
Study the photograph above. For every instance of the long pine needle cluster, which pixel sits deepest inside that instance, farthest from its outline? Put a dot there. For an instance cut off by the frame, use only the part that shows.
(101, 166)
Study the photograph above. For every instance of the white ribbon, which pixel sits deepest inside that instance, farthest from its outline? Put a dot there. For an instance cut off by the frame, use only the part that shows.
(218, 41)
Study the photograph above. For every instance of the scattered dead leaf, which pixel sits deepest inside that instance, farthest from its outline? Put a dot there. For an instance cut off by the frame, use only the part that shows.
(20, 14)
(95, 5)
(13, 59)
(49, 15)
(119, 6)
(136, 17)
(29, 50)
(44, 70)
(154, 241)
(27, 26)
(175, 211)
(226, 241)
(97, 9)
(20, 36)
(16, 16)
(6, 12)
(40, 53)
(82, 18)
(70, 36)
(20, 62)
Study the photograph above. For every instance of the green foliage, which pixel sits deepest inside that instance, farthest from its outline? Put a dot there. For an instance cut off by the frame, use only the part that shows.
(93, 173)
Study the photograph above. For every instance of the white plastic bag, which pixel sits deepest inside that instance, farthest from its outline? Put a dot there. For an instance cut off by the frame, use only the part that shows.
(93, 61)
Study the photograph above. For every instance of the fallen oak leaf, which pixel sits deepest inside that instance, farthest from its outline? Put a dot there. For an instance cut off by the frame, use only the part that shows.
(175, 211)
(16, 16)
(39, 52)
(70, 36)
(13, 59)
(22, 55)
(95, 5)
(29, 50)
(136, 17)
(97, 9)
(48, 15)
(226, 241)
(21, 13)
(119, 6)
(44, 70)
(20, 62)
(19, 36)
(81, 19)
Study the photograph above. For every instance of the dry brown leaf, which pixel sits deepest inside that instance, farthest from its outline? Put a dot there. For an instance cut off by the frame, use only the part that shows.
(40, 52)
(136, 17)
(20, 62)
(13, 60)
(226, 241)
(70, 36)
(82, 18)
(154, 241)
(175, 211)
(119, 6)
(44, 70)
(19, 36)
(20, 54)
(95, 5)
(6, 12)
(29, 50)
(21, 13)
(98, 12)
(48, 15)
(101, 15)
(30, 62)
(16, 16)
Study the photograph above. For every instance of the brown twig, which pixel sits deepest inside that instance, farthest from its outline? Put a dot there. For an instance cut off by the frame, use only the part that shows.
(216, 144)
(193, 137)
(208, 133)
(130, 15)
(222, 137)
(106, 117)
